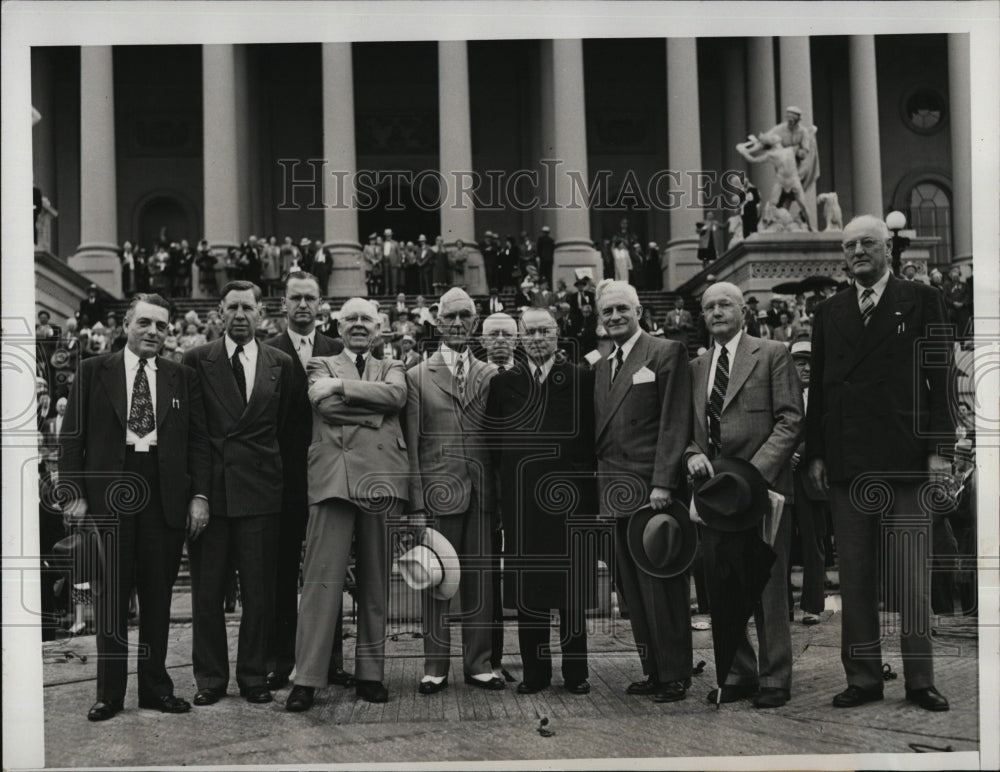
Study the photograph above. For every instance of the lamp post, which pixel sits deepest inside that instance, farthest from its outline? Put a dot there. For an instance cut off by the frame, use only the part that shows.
(895, 221)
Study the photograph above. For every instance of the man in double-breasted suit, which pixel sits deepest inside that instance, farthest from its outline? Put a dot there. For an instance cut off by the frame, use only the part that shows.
(301, 341)
(246, 389)
(136, 458)
(452, 487)
(878, 408)
(357, 482)
(746, 403)
(642, 410)
(541, 413)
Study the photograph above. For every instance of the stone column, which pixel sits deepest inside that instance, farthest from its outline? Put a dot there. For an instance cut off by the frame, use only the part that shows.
(959, 87)
(796, 89)
(340, 216)
(679, 260)
(571, 231)
(458, 215)
(734, 104)
(762, 108)
(97, 255)
(866, 156)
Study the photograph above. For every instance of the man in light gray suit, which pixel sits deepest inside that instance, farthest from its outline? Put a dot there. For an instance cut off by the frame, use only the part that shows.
(642, 409)
(357, 481)
(747, 404)
(452, 479)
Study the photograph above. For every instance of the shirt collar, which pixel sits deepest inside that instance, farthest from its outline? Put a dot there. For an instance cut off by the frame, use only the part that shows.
(250, 349)
(627, 346)
(451, 356)
(878, 287)
(730, 345)
(132, 361)
(546, 367)
(296, 338)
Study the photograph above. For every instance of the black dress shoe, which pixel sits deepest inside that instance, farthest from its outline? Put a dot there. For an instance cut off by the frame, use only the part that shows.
(578, 687)
(340, 677)
(168, 703)
(371, 691)
(300, 699)
(771, 697)
(649, 686)
(525, 688)
(732, 693)
(429, 687)
(672, 691)
(928, 699)
(276, 681)
(853, 696)
(102, 711)
(494, 684)
(208, 696)
(256, 694)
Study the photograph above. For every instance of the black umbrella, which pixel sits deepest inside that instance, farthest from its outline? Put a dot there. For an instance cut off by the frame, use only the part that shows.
(737, 567)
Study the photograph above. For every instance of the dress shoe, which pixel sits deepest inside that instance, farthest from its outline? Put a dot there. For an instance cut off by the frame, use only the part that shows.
(371, 691)
(672, 691)
(429, 687)
(102, 711)
(276, 681)
(256, 694)
(928, 699)
(168, 703)
(649, 686)
(853, 696)
(810, 619)
(732, 693)
(208, 696)
(300, 699)
(340, 677)
(578, 687)
(525, 688)
(771, 697)
(494, 684)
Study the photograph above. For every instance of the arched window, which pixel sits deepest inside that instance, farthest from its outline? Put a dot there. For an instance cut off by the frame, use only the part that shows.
(930, 215)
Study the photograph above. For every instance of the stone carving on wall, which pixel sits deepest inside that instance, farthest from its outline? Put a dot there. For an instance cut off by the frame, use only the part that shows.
(831, 211)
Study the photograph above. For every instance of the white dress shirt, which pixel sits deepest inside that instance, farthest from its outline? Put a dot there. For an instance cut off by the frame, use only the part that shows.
(451, 358)
(142, 444)
(626, 348)
(249, 359)
(303, 344)
(878, 289)
(716, 350)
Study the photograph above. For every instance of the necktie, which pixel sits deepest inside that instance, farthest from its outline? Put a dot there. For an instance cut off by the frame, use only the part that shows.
(716, 399)
(359, 362)
(539, 376)
(619, 363)
(239, 374)
(140, 417)
(460, 375)
(305, 350)
(867, 305)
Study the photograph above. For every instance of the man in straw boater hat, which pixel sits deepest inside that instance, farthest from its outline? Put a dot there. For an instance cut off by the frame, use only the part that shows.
(357, 482)
(747, 405)
(642, 404)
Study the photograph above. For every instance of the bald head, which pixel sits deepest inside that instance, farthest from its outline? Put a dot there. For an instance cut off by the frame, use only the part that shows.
(724, 289)
(722, 306)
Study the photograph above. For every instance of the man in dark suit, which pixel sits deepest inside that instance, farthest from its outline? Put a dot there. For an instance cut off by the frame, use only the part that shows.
(746, 403)
(541, 413)
(301, 342)
(136, 458)
(546, 249)
(678, 323)
(247, 389)
(642, 408)
(91, 308)
(878, 408)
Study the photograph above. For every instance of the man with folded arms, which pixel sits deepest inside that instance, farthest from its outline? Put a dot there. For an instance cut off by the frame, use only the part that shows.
(747, 404)
(358, 472)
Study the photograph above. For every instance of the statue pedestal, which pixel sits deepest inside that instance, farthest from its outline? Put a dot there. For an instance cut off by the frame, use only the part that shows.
(679, 262)
(101, 265)
(347, 273)
(572, 254)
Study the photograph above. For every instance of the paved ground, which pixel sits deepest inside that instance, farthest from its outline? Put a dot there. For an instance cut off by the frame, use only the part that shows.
(465, 724)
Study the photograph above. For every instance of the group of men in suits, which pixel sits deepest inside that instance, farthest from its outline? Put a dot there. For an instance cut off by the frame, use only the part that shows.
(234, 445)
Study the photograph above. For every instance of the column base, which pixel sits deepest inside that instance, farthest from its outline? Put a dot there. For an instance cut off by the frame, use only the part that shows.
(101, 265)
(679, 262)
(573, 254)
(347, 274)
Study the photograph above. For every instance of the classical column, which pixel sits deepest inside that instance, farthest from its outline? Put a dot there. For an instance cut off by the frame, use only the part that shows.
(571, 229)
(796, 89)
(97, 255)
(762, 109)
(458, 215)
(734, 104)
(340, 216)
(959, 87)
(679, 260)
(866, 156)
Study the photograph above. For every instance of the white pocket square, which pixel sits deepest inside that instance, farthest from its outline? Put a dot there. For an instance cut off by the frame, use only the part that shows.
(644, 375)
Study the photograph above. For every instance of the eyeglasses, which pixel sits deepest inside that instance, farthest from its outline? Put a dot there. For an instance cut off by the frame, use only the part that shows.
(867, 245)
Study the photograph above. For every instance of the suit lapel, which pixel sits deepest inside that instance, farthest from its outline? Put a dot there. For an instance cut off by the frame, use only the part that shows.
(846, 315)
(699, 375)
(890, 311)
(636, 360)
(264, 382)
(441, 375)
(219, 374)
(166, 388)
(743, 364)
(113, 377)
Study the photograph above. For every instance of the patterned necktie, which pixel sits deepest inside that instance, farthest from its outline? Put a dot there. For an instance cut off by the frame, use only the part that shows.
(539, 376)
(867, 305)
(460, 375)
(619, 363)
(716, 399)
(305, 350)
(140, 417)
(239, 374)
(359, 362)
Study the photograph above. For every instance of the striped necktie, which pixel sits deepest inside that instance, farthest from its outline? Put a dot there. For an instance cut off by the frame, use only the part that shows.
(460, 375)
(716, 401)
(867, 305)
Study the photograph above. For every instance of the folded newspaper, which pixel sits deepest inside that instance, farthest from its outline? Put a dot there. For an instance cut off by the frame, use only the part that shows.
(772, 518)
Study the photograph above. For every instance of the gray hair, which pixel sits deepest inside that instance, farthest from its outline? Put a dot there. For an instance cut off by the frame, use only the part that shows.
(607, 286)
